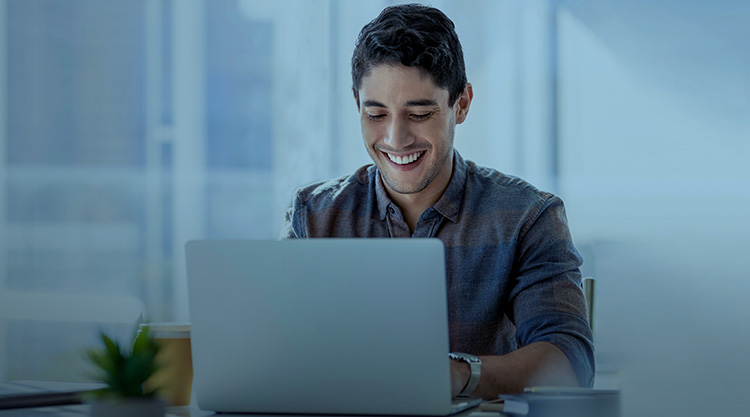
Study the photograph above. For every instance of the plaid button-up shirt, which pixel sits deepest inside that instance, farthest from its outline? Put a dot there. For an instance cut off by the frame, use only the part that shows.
(512, 271)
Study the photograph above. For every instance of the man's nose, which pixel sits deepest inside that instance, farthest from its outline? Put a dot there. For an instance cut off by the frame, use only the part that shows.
(399, 134)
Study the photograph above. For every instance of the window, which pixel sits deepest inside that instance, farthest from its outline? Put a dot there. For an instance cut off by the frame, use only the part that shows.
(135, 126)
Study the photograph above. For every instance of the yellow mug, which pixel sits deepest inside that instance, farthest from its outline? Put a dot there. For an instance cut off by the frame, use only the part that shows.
(174, 378)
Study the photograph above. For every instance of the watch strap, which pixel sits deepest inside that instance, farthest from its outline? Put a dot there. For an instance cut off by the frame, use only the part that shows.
(475, 364)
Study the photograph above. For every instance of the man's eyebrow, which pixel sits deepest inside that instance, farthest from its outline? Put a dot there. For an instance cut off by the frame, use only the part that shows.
(373, 103)
(422, 102)
(410, 103)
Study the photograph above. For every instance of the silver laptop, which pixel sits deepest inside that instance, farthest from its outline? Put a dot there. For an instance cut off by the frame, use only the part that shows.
(320, 326)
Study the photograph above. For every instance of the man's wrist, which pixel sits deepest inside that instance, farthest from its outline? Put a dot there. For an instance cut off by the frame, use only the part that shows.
(475, 365)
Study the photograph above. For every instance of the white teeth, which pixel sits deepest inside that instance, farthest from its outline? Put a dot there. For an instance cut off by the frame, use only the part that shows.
(403, 160)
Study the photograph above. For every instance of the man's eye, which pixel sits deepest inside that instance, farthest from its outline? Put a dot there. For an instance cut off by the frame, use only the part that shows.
(421, 116)
(375, 117)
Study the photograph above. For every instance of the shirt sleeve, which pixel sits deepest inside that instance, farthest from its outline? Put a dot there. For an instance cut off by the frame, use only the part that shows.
(294, 220)
(547, 299)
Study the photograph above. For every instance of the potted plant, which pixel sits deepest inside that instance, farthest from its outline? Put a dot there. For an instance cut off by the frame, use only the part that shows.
(124, 372)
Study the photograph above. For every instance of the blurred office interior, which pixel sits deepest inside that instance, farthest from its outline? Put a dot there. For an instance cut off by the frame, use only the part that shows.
(130, 127)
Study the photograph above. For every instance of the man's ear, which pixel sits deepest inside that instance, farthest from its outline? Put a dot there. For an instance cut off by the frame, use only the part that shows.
(463, 103)
(356, 97)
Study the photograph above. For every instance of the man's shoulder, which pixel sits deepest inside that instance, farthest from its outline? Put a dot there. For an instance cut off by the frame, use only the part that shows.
(496, 187)
(330, 192)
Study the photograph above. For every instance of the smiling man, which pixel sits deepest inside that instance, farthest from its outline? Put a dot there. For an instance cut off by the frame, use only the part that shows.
(407, 125)
(516, 309)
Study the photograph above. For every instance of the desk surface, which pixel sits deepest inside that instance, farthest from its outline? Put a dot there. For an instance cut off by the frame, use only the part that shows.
(83, 409)
(608, 409)
(191, 411)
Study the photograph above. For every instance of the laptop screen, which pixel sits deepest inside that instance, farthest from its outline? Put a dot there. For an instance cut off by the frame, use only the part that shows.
(363, 321)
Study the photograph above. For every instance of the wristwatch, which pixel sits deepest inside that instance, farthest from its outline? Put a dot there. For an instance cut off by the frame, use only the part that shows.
(476, 366)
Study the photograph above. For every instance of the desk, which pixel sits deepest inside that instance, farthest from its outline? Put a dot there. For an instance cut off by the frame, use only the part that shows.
(74, 410)
(187, 411)
(191, 411)
(83, 409)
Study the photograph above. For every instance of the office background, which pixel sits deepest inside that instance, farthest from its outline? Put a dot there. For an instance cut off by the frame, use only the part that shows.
(129, 127)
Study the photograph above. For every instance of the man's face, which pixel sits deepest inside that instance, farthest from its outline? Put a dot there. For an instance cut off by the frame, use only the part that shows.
(408, 126)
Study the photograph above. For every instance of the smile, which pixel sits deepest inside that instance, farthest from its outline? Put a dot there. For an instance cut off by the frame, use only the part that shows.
(406, 159)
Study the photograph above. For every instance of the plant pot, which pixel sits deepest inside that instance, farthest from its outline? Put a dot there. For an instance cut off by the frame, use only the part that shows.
(128, 407)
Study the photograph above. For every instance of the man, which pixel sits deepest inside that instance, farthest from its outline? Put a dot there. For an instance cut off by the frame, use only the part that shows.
(514, 295)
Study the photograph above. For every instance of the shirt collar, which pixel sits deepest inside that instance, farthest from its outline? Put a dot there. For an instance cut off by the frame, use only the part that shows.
(381, 195)
(449, 204)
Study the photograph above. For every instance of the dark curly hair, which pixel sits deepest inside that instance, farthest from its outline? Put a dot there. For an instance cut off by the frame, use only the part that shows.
(413, 35)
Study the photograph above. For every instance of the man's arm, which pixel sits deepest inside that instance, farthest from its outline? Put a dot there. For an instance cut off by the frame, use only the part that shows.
(540, 363)
(291, 228)
(548, 308)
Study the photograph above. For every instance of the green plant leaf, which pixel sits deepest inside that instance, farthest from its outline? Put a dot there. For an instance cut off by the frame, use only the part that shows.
(101, 360)
(142, 342)
(113, 349)
(123, 371)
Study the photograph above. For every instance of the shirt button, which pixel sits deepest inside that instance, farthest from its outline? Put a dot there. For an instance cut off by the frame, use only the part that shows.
(392, 210)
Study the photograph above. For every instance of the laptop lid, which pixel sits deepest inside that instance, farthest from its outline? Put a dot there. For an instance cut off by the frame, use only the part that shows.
(323, 326)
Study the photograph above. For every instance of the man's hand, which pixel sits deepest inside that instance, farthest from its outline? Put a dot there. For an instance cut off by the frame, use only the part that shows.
(539, 363)
(460, 374)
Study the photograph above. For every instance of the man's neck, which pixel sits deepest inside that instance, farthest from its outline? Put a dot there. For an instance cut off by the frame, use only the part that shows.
(411, 208)
(413, 205)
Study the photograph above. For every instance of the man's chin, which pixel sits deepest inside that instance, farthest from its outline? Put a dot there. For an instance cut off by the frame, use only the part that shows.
(403, 187)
